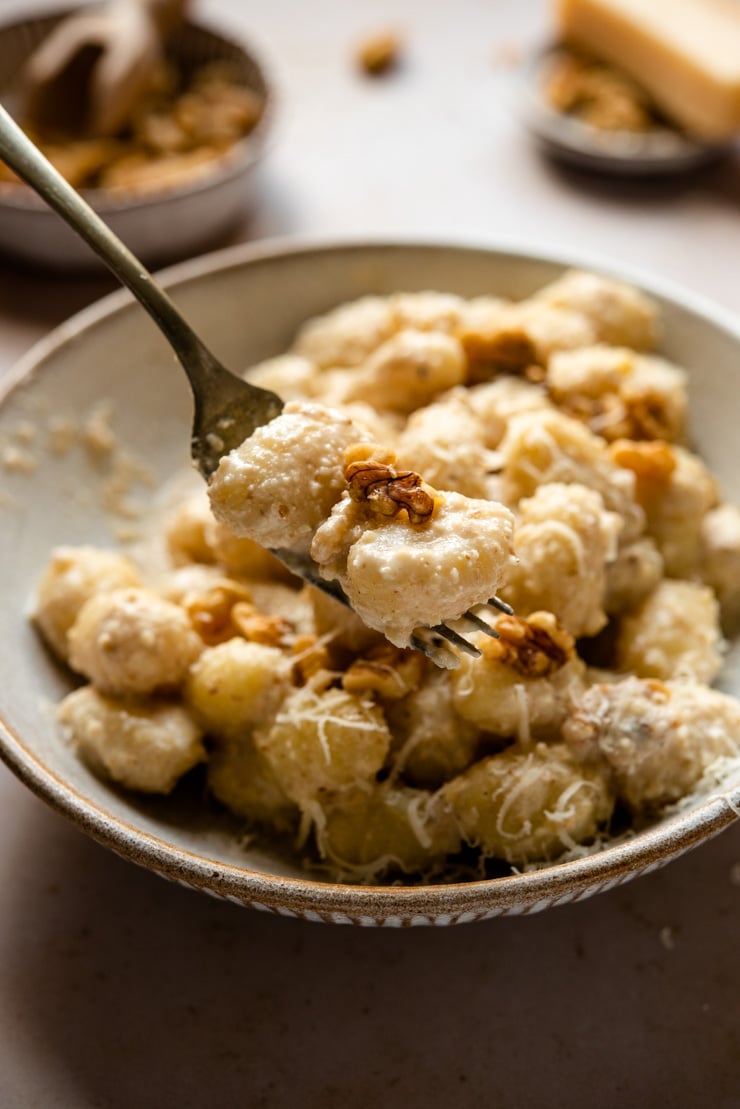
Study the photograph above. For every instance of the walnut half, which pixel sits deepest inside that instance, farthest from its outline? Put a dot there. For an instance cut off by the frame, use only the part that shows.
(385, 490)
(534, 647)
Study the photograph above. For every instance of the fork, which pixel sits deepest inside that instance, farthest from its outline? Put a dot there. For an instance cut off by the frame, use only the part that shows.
(227, 409)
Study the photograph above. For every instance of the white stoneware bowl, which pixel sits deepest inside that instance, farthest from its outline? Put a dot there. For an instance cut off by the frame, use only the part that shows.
(248, 302)
(160, 227)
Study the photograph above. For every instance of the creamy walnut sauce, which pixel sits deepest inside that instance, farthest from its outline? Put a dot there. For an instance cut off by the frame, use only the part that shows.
(432, 449)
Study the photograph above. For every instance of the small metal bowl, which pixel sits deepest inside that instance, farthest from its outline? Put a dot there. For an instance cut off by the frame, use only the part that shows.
(657, 153)
(164, 226)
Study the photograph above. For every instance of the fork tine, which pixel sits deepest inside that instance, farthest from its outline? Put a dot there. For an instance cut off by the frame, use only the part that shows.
(481, 625)
(438, 650)
(456, 639)
(496, 602)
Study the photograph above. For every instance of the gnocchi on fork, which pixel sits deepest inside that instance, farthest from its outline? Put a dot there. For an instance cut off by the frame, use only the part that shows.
(235, 421)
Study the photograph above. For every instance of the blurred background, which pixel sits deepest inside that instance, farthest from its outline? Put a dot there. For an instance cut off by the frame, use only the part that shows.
(436, 146)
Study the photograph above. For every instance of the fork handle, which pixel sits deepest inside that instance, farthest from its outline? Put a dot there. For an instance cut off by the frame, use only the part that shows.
(24, 157)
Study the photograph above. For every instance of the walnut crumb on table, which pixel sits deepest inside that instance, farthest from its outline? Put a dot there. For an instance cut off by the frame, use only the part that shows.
(379, 53)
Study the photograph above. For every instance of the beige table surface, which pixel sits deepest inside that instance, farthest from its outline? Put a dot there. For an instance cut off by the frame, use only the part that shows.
(118, 989)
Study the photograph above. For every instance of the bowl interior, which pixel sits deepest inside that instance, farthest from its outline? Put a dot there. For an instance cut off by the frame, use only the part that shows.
(247, 304)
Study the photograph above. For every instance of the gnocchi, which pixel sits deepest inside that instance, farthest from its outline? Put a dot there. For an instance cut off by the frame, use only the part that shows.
(144, 745)
(477, 445)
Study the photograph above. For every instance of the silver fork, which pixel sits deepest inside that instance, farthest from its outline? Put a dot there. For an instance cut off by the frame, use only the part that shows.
(227, 409)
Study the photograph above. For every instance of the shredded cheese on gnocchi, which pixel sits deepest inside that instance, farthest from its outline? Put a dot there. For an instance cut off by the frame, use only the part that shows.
(554, 438)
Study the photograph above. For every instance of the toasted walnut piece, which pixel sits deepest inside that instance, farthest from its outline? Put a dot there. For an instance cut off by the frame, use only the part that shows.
(619, 393)
(646, 417)
(386, 490)
(493, 342)
(510, 351)
(651, 463)
(675, 490)
(615, 417)
(534, 647)
(259, 627)
(310, 655)
(379, 53)
(211, 611)
(389, 671)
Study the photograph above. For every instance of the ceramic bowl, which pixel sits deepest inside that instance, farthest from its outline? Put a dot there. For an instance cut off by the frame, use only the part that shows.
(247, 302)
(663, 152)
(159, 227)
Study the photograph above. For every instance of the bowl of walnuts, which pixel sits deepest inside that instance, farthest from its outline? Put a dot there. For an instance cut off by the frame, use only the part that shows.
(174, 176)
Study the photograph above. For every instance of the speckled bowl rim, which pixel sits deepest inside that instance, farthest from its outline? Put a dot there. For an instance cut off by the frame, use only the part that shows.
(233, 162)
(523, 893)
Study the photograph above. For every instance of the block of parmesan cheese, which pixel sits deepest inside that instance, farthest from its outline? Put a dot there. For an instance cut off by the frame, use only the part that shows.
(685, 53)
